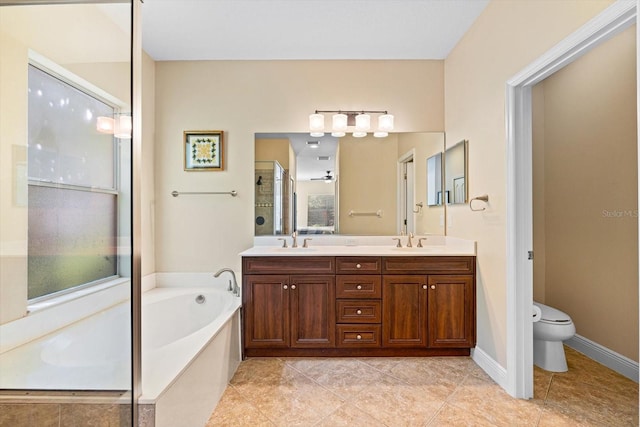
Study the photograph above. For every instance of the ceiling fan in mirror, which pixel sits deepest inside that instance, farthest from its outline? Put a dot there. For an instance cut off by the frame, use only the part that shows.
(327, 178)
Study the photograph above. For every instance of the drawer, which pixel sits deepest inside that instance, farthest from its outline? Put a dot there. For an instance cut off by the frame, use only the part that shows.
(429, 265)
(358, 311)
(358, 286)
(358, 265)
(288, 265)
(358, 335)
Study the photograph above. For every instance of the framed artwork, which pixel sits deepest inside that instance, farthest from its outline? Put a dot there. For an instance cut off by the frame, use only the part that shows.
(203, 150)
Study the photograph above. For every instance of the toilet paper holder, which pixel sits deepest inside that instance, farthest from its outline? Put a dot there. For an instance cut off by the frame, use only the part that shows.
(483, 198)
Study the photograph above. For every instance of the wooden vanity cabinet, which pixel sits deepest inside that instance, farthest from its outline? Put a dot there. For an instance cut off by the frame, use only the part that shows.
(288, 310)
(359, 306)
(425, 306)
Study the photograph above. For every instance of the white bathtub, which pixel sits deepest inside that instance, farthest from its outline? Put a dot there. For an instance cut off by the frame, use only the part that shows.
(190, 350)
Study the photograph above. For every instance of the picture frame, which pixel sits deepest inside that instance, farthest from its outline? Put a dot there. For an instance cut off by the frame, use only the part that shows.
(203, 150)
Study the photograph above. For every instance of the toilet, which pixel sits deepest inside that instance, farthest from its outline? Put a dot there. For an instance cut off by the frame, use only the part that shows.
(550, 328)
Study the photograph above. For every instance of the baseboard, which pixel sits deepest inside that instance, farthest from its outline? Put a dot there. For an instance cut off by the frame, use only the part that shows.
(609, 358)
(490, 366)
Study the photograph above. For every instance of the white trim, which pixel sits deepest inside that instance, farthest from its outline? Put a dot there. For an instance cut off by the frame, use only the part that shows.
(610, 22)
(492, 368)
(609, 358)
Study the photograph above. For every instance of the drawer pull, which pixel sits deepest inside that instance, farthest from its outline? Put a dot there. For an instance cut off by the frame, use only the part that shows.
(359, 287)
(358, 266)
(424, 286)
(293, 286)
(358, 311)
(285, 287)
(358, 337)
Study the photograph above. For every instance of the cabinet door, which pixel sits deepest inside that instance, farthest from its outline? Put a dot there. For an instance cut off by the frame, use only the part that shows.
(313, 313)
(451, 310)
(404, 311)
(266, 311)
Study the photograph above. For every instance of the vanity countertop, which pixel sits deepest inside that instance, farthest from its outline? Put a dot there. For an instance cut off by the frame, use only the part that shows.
(363, 246)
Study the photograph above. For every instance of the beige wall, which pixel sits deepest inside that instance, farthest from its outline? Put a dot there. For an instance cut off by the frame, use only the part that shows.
(365, 164)
(273, 149)
(590, 175)
(147, 202)
(203, 233)
(505, 38)
(13, 141)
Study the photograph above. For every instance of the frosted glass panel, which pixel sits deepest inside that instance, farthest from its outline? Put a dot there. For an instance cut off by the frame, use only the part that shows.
(64, 145)
(71, 238)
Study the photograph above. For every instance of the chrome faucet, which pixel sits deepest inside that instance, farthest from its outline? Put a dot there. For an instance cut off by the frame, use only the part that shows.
(294, 236)
(235, 289)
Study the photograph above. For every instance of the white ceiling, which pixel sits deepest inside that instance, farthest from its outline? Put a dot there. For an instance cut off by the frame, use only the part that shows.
(305, 29)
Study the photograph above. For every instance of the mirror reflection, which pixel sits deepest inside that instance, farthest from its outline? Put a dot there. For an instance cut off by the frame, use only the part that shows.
(434, 180)
(347, 185)
(455, 188)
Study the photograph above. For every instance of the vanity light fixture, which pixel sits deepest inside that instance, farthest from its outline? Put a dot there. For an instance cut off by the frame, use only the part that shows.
(119, 126)
(358, 122)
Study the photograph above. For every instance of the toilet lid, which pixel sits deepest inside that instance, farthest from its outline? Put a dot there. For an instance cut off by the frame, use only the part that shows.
(551, 314)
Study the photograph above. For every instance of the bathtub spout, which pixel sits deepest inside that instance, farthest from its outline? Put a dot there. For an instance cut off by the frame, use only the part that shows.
(236, 288)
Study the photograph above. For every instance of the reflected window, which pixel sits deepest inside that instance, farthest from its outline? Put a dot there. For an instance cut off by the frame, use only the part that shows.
(73, 188)
(321, 211)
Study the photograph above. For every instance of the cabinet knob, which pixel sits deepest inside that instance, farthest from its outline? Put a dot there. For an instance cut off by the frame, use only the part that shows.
(358, 337)
(293, 286)
(433, 286)
(424, 286)
(359, 287)
(285, 287)
(358, 311)
(358, 266)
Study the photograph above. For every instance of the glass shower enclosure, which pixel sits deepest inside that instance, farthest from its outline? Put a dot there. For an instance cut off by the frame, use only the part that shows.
(269, 197)
(66, 245)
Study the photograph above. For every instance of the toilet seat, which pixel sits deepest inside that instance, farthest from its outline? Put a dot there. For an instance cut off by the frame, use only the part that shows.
(552, 315)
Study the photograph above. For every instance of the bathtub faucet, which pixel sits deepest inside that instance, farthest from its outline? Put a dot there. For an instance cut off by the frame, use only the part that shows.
(236, 288)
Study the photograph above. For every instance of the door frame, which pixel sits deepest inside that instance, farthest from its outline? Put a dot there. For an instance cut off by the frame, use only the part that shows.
(613, 20)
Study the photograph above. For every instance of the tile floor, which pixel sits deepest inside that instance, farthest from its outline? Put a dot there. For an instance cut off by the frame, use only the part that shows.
(419, 392)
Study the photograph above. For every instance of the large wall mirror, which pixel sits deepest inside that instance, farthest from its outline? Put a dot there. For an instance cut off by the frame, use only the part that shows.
(346, 186)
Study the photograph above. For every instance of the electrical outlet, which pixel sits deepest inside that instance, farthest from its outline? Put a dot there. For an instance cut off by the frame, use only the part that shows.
(352, 242)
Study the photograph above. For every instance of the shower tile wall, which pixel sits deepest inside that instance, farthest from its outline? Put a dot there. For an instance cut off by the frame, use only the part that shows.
(264, 202)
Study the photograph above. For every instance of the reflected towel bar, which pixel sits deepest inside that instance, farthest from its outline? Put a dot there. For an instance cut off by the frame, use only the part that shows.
(483, 198)
(233, 193)
(378, 213)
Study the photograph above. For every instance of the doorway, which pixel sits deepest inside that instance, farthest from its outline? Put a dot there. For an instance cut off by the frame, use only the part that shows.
(612, 21)
(406, 186)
